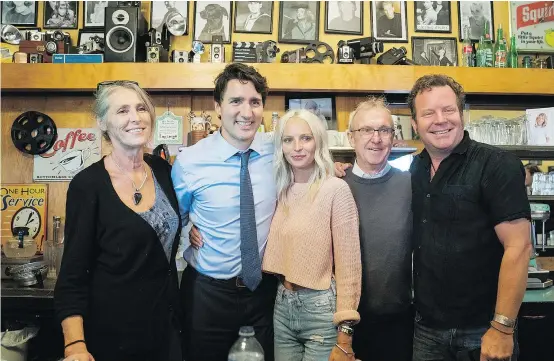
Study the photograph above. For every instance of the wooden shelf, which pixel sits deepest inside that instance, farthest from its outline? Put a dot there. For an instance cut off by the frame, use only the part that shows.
(530, 152)
(541, 199)
(336, 78)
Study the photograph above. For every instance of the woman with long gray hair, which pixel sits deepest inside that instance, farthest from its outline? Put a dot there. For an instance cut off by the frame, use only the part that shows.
(313, 246)
(117, 292)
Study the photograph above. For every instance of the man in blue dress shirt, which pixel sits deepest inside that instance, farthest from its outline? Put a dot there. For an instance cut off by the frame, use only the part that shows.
(207, 179)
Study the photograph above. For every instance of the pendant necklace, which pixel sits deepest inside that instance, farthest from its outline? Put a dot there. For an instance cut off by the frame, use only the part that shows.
(137, 196)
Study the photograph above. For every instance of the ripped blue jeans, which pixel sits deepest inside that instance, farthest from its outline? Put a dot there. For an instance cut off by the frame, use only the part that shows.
(303, 324)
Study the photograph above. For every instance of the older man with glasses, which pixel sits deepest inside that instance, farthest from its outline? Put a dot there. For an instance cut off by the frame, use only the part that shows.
(383, 195)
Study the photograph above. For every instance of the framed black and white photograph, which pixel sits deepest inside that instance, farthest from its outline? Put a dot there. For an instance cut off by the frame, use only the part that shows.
(435, 51)
(60, 14)
(322, 105)
(212, 18)
(93, 13)
(344, 17)
(254, 17)
(19, 13)
(475, 14)
(389, 22)
(163, 11)
(298, 21)
(87, 34)
(432, 16)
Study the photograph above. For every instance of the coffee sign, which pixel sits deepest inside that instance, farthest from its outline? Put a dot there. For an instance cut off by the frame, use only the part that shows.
(74, 150)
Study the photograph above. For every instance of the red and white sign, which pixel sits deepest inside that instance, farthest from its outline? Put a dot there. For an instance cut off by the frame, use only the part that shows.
(73, 151)
(532, 22)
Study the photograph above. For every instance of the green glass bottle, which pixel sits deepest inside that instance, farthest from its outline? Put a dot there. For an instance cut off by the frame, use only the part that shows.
(500, 49)
(479, 56)
(488, 52)
(512, 55)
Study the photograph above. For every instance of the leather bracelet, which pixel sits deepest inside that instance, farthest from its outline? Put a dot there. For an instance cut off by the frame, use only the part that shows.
(73, 343)
(343, 350)
(503, 320)
(502, 331)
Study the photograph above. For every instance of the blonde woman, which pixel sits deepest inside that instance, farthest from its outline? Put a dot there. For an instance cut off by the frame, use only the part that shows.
(313, 247)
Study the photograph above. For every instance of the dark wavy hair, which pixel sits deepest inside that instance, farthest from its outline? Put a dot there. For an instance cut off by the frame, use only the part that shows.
(243, 73)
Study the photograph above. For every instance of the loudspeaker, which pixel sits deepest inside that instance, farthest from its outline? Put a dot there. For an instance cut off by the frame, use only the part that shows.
(125, 29)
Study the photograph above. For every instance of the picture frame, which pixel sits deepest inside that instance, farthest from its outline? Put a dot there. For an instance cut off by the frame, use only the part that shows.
(474, 14)
(254, 17)
(61, 14)
(298, 22)
(22, 15)
(159, 10)
(93, 13)
(532, 33)
(86, 34)
(386, 28)
(344, 17)
(212, 18)
(429, 51)
(321, 104)
(432, 17)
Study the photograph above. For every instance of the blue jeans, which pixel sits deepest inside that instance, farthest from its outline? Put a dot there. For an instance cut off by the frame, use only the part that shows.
(303, 324)
(431, 344)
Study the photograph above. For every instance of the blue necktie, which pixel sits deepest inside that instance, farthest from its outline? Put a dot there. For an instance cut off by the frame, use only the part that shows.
(250, 255)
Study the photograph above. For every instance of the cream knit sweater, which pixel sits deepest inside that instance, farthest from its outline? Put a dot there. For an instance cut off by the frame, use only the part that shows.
(315, 238)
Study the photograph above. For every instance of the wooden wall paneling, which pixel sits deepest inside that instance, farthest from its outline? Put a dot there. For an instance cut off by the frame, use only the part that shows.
(344, 106)
(273, 103)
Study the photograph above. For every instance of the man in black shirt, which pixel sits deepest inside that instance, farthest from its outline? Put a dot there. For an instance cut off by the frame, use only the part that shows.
(471, 232)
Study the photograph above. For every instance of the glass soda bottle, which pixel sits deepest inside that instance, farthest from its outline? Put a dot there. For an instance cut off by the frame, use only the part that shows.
(500, 50)
(246, 348)
(467, 50)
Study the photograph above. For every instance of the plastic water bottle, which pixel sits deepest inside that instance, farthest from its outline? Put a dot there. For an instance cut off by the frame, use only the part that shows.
(246, 348)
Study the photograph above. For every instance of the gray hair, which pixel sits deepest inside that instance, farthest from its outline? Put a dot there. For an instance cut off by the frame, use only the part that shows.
(370, 103)
(324, 166)
(102, 103)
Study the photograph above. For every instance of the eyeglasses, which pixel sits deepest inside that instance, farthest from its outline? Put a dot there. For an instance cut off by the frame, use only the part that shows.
(368, 132)
(115, 82)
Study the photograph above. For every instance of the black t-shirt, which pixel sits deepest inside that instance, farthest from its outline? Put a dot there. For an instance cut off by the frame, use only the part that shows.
(457, 253)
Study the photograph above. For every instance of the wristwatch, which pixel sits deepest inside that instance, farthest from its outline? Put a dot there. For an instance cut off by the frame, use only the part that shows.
(503, 320)
(345, 328)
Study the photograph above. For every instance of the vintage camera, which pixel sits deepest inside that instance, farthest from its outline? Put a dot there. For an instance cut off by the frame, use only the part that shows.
(153, 53)
(365, 48)
(294, 56)
(35, 35)
(395, 56)
(345, 54)
(95, 45)
(53, 40)
(155, 37)
(180, 56)
(35, 58)
(217, 51)
(266, 52)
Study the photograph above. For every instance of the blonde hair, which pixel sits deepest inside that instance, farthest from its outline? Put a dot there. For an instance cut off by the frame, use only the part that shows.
(324, 166)
(370, 103)
(102, 103)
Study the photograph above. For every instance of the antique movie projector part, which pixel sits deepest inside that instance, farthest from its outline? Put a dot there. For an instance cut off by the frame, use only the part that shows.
(314, 52)
(266, 52)
(395, 56)
(11, 35)
(198, 49)
(33, 132)
(362, 49)
(217, 51)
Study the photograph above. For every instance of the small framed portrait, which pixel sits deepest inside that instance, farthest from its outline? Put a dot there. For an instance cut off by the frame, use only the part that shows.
(435, 51)
(344, 17)
(474, 15)
(93, 13)
(432, 16)
(322, 105)
(298, 21)
(86, 34)
(540, 126)
(389, 22)
(254, 17)
(162, 11)
(212, 18)
(60, 14)
(19, 13)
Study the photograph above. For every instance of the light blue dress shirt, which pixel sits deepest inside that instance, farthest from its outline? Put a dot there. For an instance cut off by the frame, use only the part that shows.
(206, 177)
